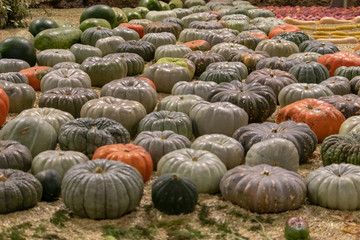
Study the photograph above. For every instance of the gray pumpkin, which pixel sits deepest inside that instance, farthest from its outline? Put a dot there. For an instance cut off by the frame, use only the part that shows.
(14, 155)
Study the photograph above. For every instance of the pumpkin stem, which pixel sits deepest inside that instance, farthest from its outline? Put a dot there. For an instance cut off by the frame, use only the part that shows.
(65, 76)
(310, 107)
(175, 177)
(2, 178)
(169, 117)
(98, 169)
(163, 137)
(126, 150)
(181, 98)
(266, 173)
(273, 130)
(94, 127)
(306, 88)
(194, 159)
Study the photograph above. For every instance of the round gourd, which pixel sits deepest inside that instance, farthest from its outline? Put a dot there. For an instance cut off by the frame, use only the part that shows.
(61, 161)
(159, 143)
(174, 194)
(35, 133)
(99, 11)
(21, 96)
(239, 67)
(35, 74)
(183, 62)
(225, 48)
(277, 47)
(126, 33)
(306, 56)
(160, 39)
(348, 72)
(321, 47)
(14, 77)
(12, 65)
(82, 51)
(94, 22)
(40, 24)
(199, 88)
(145, 49)
(203, 59)
(171, 50)
(135, 63)
(138, 27)
(50, 57)
(338, 85)
(20, 190)
(348, 104)
(18, 48)
(159, 27)
(263, 188)
(349, 124)
(14, 155)
(334, 187)
(93, 199)
(109, 45)
(135, 156)
(229, 151)
(178, 103)
(219, 76)
(91, 35)
(280, 63)
(157, 16)
(203, 167)
(51, 184)
(272, 152)
(309, 72)
(86, 135)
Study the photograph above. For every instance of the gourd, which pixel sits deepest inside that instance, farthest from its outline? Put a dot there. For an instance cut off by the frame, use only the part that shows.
(109, 45)
(51, 184)
(199, 88)
(178, 103)
(15, 156)
(82, 51)
(50, 57)
(21, 96)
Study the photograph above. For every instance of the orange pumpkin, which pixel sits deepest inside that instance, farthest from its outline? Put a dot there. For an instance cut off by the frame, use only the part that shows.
(283, 28)
(322, 117)
(34, 75)
(131, 154)
(200, 45)
(136, 27)
(148, 81)
(4, 106)
(357, 48)
(218, 15)
(260, 35)
(338, 59)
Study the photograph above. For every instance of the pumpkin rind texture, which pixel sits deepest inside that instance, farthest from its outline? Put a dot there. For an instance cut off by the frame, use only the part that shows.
(102, 189)
(15, 156)
(51, 184)
(263, 188)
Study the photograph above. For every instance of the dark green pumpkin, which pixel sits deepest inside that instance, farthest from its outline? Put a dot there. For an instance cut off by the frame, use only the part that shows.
(348, 72)
(91, 35)
(295, 37)
(150, 4)
(99, 11)
(248, 41)
(322, 47)
(18, 48)
(174, 194)
(355, 84)
(41, 24)
(219, 76)
(310, 72)
(94, 22)
(50, 180)
(280, 63)
(57, 38)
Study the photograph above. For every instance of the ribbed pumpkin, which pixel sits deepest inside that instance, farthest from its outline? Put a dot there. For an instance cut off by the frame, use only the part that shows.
(280, 63)
(21, 96)
(239, 67)
(174, 194)
(225, 48)
(12, 65)
(159, 39)
(145, 49)
(178, 103)
(306, 56)
(348, 72)
(34, 75)
(321, 47)
(338, 85)
(20, 190)
(348, 105)
(172, 51)
(91, 35)
(248, 41)
(135, 156)
(14, 77)
(203, 167)
(50, 57)
(198, 45)
(334, 187)
(295, 37)
(263, 188)
(109, 45)
(249, 58)
(199, 88)
(15, 156)
(277, 47)
(283, 28)
(82, 51)
(323, 118)
(203, 59)
(338, 59)
(93, 199)
(309, 72)
(259, 101)
(158, 27)
(220, 76)
(299, 134)
(135, 63)
(126, 33)
(136, 27)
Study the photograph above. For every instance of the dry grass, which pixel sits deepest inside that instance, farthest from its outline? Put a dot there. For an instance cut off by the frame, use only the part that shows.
(214, 218)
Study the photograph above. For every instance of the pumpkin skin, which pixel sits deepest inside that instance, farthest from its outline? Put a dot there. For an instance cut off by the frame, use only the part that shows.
(159, 143)
(94, 22)
(272, 152)
(248, 41)
(178, 103)
(205, 117)
(145, 49)
(198, 88)
(338, 85)
(283, 28)
(306, 56)
(263, 188)
(158, 27)
(229, 151)
(334, 186)
(18, 48)
(203, 167)
(61, 161)
(225, 48)
(35, 133)
(21, 96)
(198, 45)
(12, 65)
(277, 47)
(259, 101)
(135, 156)
(159, 39)
(20, 190)
(321, 47)
(239, 67)
(178, 122)
(91, 35)
(348, 105)
(203, 59)
(180, 201)
(309, 72)
(135, 63)
(109, 45)
(348, 72)
(323, 118)
(51, 184)
(15, 156)
(82, 51)
(338, 59)
(349, 124)
(299, 134)
(126, 33)
(14, 77)
(50, 57)
(97, 201)
(355, 84)
(99, 11)
(295, 37)
(280, 63)
(136, 27)
(86, 135)
(171, 51)
(34, 75)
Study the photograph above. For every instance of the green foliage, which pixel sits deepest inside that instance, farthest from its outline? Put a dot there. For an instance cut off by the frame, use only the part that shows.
(60, 217)
(16, 232)
(15, 12)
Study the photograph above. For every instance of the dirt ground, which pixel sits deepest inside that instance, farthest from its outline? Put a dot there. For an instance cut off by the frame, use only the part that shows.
(214, 218)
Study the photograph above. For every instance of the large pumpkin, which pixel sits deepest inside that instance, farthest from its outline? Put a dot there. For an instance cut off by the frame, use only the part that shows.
(322, 117)
(102, 189)
(131, 154)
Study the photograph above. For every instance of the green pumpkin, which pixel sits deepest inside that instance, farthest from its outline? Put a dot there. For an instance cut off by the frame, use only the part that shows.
(183, 62)
(160, 39)
(41, 24)
(14, 77)
(94, 22)
(295, 37)
(310, 72)
(225, 48)
(135, 63)
(174, 194)
(321, 47)
(131, 14)
(277, 47)
(51, 184)
(35, 133)
(219, 76)
(348, 72)
(91, 35)
(334, 187)
(20, 190)
(349, 124)
(157, 16)
(150, 4)
(18, 48)
(145, 49)
(82, 51)
(239, 67)
(109, 45)
(306, 56)
(21, 96)
(126, 33)
(120, 16)
(99, 11)
(171, 51)
(50, 57)
(94, 200)
(12, 65)
(338, 85)
(199, 88)
(178, 103)
(15, 156)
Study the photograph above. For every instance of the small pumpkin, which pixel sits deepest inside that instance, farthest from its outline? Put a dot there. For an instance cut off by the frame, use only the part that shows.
(51, 184)
(15, 156)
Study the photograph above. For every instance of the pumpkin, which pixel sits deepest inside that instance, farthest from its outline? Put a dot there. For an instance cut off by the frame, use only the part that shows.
(174, 194)
(249, 58)
(51, 184)
(306, 56)
(99, 11)
(338, 59)
(135, 63)
(67, 99)
(203, 59)
(178, 122)
(82, 51)
(50, 57)
(144, 48)
(263, 188)
(21, 96)
(272, 152)
(86, 134)
(132, 88)
(198, 88)
(248, 41)
(298, 91)
(20, 190)
(157, 16)
(14, 155)
(128, 113)
(178, 103)
(205, 25)
(295, 37)
(321, 47)
(34, 75)
(191, 34)
(183, 62)
(203, 167)
(277, 47)
(257, 100)
(67, 65)
(354, 84)
(126, 33)
(239, 67)
(219, 75)
(55, 117)
(323, 118)
(159, 143)
(171, 51)
(334, 186)
(349, 124)
(299, 134)
(296, 228)
(159, 39)
(158, 27)
(348, 72)
(215, 36)
(181, 12)
(206, 117)
(200, 45)
(108, 45)
(135, 156)
(174, 20)
(35, 133)
(91, 35)
(283, 28)
(94, 22)
(279, 63)
(348, 105)
(338, 85)
(12, 65)
(309, 72)
(97, 201)
(225, 48)
(14, 77)
(229, 151)
(18, 48)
